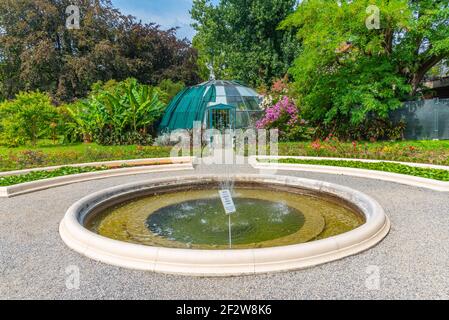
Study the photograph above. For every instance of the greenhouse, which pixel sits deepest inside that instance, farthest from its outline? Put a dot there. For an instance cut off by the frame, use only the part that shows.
(216, 104)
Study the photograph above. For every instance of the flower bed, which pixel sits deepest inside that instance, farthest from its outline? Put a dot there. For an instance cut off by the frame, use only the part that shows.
(430, 152)
(24, 158)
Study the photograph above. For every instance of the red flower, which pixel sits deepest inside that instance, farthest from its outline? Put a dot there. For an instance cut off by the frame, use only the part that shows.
(316, 145)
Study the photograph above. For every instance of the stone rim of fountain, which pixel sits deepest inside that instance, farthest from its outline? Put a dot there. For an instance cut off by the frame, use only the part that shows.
(221, 262)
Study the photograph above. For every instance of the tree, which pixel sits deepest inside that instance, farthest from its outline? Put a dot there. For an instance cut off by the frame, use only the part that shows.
(26, 118)
(239, 39)
(38, 52)
(171, 89)
(350, 76)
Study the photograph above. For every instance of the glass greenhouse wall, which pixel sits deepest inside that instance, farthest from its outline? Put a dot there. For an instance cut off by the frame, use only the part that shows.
(426, 119)
(216, 104)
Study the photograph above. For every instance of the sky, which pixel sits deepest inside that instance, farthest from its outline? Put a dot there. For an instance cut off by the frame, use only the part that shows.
(167, 13)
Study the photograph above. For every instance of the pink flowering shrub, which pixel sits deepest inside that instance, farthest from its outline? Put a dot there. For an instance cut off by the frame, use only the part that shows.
(285, 116)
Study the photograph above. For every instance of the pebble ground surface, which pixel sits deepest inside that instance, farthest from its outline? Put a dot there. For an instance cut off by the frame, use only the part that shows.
(412, 262)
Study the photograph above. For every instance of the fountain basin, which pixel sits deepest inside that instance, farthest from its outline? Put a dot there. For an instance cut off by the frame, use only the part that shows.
(221, 262)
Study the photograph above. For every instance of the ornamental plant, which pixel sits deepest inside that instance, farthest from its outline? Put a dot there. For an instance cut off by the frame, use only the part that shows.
(278, 90)
(285, 116)
(26, 118)
(117, 113)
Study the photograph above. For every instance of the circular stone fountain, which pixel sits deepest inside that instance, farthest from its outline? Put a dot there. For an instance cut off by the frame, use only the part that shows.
(178, 225)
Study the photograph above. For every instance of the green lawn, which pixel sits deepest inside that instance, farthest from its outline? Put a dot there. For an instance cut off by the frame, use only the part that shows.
(436, 174)
(41, 175)
(49, 155)
(45, 154)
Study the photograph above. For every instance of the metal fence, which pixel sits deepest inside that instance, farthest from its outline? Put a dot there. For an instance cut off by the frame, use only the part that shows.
(426, 119)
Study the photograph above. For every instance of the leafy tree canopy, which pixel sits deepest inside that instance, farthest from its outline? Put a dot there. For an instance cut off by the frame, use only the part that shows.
(348, 74)
(240, 39)
(37, 51)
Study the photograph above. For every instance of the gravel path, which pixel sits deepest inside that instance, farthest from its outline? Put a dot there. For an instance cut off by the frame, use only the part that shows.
(413, 261)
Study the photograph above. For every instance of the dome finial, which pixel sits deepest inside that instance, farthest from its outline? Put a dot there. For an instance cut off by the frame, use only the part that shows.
(210, 67)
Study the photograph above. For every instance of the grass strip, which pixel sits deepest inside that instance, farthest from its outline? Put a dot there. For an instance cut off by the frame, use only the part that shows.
(41, 175)
(429, 173)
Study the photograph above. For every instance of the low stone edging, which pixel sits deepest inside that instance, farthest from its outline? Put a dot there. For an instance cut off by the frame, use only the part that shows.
(414, 181)
(184, 163)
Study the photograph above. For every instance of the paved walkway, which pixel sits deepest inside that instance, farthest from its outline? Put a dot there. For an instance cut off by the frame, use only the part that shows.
(413, 261)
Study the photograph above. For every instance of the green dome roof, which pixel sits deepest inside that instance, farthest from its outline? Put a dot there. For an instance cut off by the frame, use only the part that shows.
(192, 104)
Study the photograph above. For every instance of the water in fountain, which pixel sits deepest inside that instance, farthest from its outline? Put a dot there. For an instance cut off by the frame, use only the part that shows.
(195, 218)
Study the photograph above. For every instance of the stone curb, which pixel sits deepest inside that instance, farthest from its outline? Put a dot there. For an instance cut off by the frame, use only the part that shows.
(113, 163)
(33, 186)
(419, 182)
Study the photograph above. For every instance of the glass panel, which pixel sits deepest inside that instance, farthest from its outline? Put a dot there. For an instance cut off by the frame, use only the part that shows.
(221, 99)
(426, 120)
(220, 91)
(244, 91)
(236, 102)
(252, 103)
(231, 91)
(443, 119)
(242, 120)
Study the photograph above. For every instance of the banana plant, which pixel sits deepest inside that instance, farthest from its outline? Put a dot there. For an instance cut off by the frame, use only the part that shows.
(144, 105)
(128, 108)
(86, 122)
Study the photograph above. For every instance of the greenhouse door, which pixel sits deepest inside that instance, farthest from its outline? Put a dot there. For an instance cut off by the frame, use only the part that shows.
(222, 117)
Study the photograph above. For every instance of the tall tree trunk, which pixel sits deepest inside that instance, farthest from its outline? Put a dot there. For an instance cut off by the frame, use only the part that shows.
(389, 41)
(418, 76)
